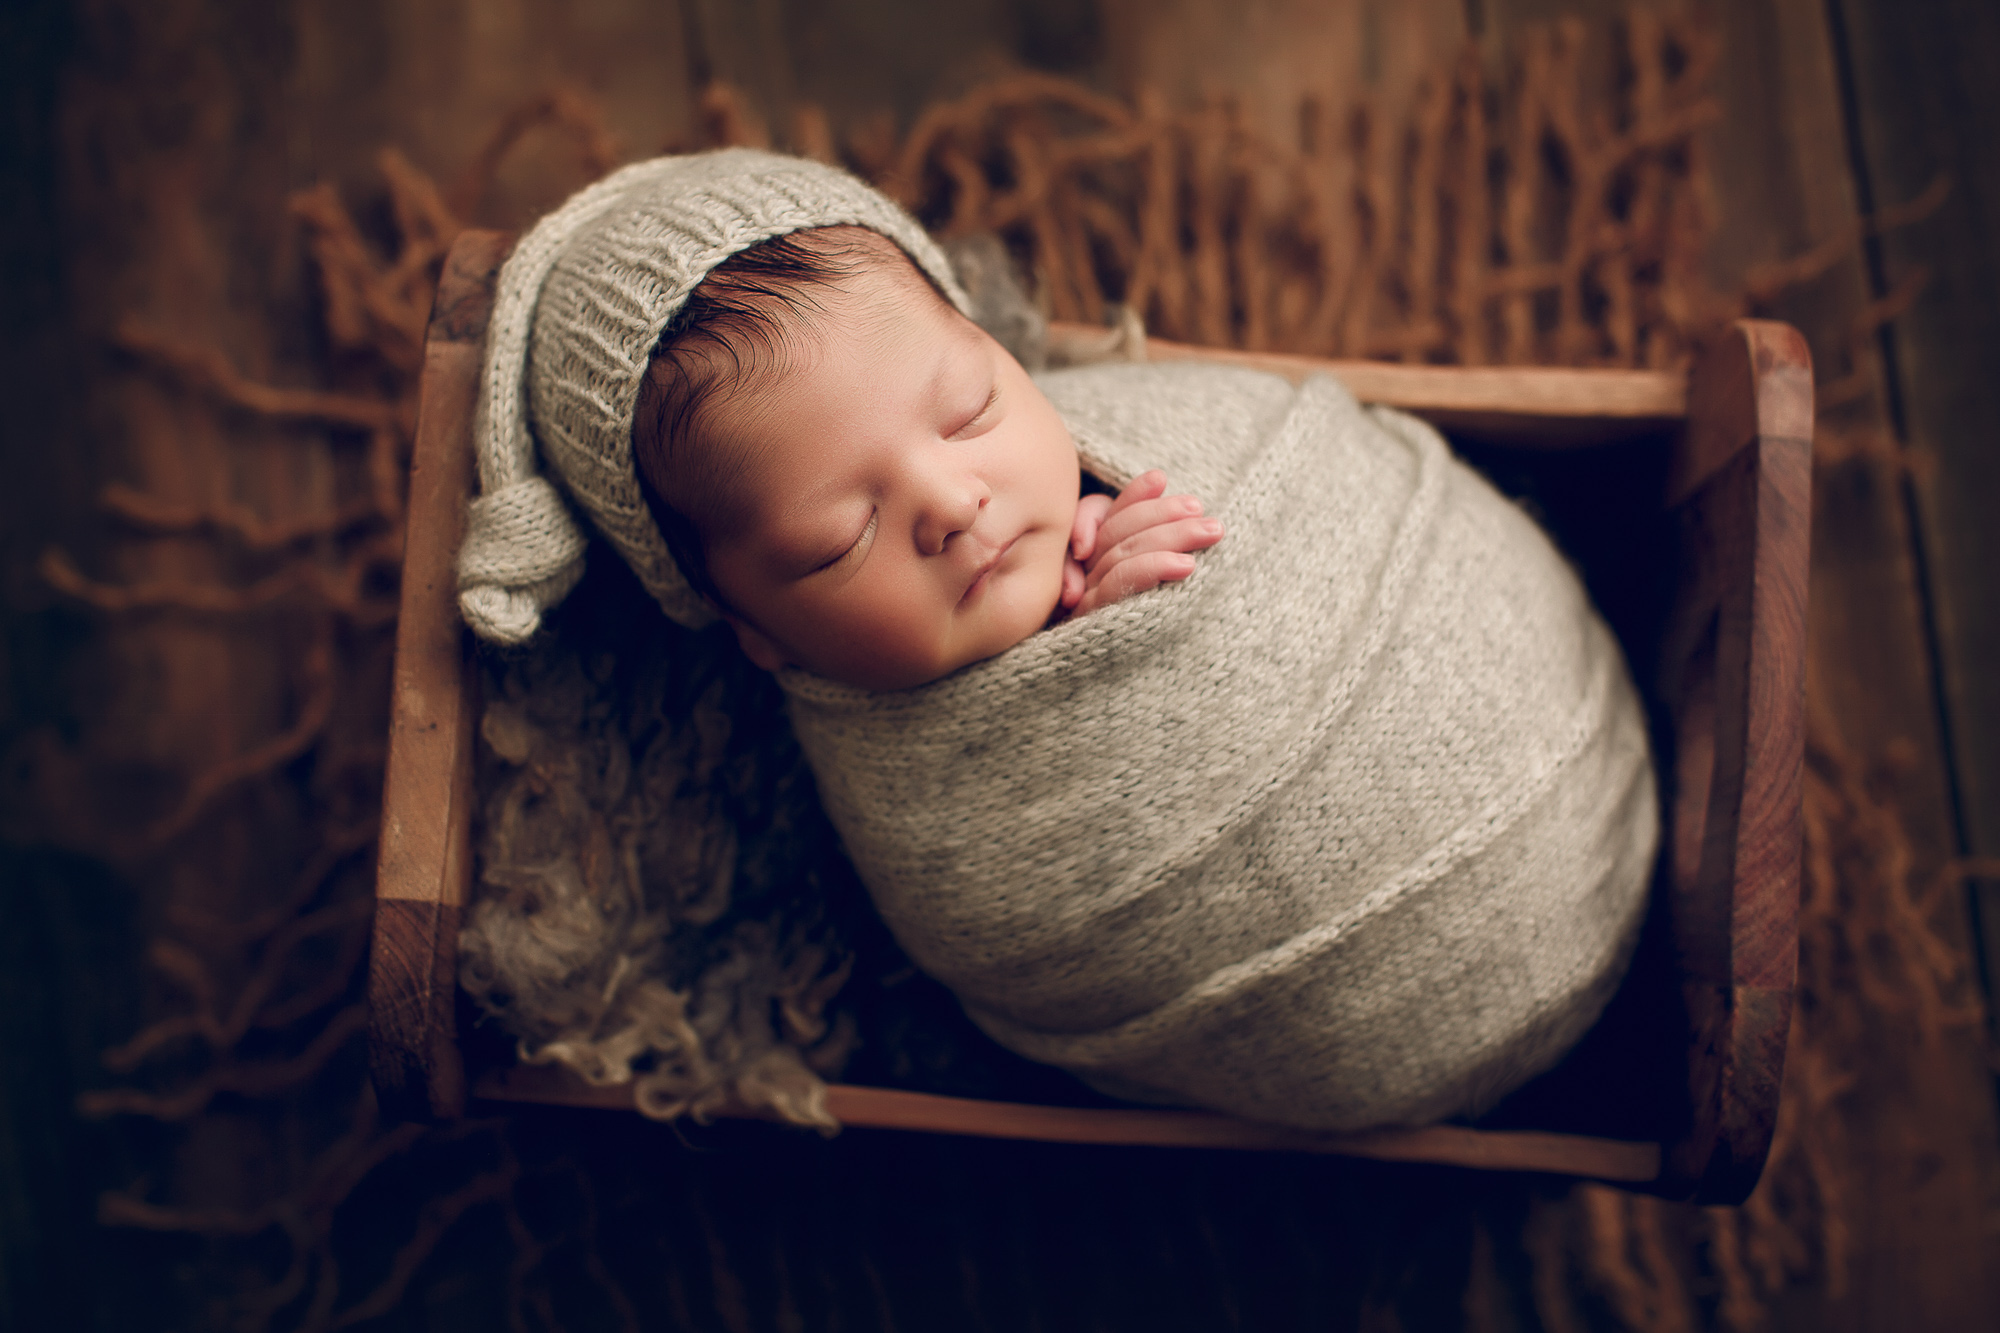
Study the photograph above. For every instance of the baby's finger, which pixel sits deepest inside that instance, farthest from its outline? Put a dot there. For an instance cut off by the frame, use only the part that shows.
(1183, 537)
(1148, 485)
(1139, 574)
(1074, 584)
(1124, 523)
(1090, 511)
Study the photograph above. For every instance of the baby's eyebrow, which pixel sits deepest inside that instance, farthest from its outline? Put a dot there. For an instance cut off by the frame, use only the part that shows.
(941, 372)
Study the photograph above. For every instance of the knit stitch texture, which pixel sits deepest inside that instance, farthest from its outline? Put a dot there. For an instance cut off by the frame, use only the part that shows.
(581, 305)
(1352, 828)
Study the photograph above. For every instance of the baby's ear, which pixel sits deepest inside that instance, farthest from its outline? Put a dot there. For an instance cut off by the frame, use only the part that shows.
(757, 645)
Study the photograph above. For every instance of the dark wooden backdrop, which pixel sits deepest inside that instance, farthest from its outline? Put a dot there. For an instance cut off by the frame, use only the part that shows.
(149, 151)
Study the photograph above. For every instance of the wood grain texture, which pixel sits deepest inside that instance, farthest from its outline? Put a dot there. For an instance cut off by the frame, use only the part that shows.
(1741, 484)
(1921, 102)
(1919, 1238)
(1755, 383)
(1554, 406)
(435, 77)
(1268, 55)
(424, 870)
(1926, 104)
(1743, 487)
(413, 1056)
(424, 851)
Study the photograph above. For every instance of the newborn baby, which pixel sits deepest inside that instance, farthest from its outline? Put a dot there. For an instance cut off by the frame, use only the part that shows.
(866, 484)
(1350, 827)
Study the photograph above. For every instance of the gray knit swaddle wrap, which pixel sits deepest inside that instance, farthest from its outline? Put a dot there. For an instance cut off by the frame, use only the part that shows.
(1354, 827)
(581, 304)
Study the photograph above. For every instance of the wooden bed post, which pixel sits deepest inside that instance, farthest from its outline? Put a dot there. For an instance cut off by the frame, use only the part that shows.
(1740, 486)
(424, 871)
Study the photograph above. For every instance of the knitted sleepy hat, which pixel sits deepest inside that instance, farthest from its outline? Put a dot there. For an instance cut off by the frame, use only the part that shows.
(581, 305)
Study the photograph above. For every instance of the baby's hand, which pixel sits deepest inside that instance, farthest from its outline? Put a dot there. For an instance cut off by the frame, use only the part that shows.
(1140, 540)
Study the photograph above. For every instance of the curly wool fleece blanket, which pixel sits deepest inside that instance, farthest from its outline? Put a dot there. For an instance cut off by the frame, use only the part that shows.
(1352, 828)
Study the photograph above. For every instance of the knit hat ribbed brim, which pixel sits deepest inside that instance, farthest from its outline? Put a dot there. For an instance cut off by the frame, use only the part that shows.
(581, 305)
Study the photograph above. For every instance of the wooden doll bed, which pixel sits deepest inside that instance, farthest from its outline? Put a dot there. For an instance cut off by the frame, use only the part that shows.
(1683, 500)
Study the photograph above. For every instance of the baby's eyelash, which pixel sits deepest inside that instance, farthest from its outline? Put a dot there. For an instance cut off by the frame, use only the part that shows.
(874, 515)
(992, 397)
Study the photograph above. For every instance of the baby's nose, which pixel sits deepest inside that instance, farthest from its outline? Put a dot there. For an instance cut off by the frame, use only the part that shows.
(950, 505)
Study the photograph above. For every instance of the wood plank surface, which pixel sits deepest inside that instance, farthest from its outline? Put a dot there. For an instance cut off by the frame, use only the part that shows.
(1922, 102)
(423, 877)
(1926, 105)
(1268, 56)
(425, 850)
(1526, 405)
(1741, 486)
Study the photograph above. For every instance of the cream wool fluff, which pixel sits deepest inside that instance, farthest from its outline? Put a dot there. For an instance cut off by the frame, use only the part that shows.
(581, 304)
(1352, 828)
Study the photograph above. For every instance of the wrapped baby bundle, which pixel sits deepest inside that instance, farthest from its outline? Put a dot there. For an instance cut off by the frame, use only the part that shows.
(1353, 827)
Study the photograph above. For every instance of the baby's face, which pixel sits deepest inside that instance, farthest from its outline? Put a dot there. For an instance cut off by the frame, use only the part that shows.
(905, 494)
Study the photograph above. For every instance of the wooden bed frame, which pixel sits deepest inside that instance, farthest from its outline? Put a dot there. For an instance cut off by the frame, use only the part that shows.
(1687, 500)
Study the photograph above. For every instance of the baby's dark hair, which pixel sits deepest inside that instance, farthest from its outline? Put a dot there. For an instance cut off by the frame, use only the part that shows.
(734, 325)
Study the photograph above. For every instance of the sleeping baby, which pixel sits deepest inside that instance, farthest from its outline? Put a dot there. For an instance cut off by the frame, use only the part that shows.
(1346, 820)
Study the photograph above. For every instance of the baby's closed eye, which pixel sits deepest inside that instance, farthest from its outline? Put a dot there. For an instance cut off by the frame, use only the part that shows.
(852, 552)
(981, 418)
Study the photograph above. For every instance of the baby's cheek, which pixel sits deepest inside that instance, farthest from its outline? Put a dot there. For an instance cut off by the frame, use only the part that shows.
(1039, 590)
(907, 633)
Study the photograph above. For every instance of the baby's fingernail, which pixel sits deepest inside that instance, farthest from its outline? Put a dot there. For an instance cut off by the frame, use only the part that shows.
(1212, 526)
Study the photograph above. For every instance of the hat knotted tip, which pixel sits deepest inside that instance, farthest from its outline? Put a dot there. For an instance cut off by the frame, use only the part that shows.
(523, 552)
